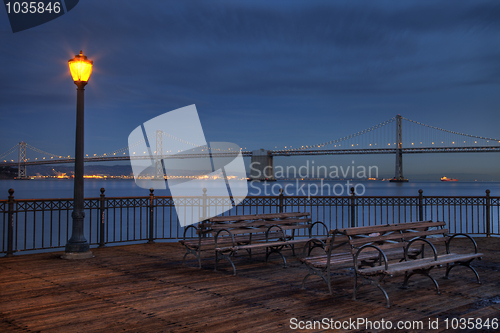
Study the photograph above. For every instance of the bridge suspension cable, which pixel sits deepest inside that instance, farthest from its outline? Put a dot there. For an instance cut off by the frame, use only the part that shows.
(450, 132)
(328, 145)
(168, 145)
(121, 150)
(42, 152)
(194, 145)
(10, 151)
(422, 135)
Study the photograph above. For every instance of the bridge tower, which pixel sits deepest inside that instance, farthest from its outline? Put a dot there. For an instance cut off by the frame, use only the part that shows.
(21, 166)
(398, 177)
(158, 156)
(261, 166)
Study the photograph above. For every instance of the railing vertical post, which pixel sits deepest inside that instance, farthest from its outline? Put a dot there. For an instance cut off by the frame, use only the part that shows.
(353, 208)
(488, 219)
(204, 204)
(10, 227)
(102, 215)
(280, 200)
(151, 216)
(420, 205)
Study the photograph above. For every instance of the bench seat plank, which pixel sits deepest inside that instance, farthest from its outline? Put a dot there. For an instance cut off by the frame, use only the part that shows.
(257, 223)
(195, 242)
(257, 217)
(394, 227)
(404, 266)
(346, 257)
(395, 236)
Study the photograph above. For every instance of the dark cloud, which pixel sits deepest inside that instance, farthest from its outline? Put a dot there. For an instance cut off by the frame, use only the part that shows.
(226, 47)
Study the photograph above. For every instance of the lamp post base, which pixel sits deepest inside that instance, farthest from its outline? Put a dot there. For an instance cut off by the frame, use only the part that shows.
(77, 255)
(77, 250)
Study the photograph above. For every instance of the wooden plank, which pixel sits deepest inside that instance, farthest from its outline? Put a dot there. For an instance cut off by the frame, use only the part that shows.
(410, 235)
(421, 263)
(356, 242)
(262, 244)
(257, 216)
(394, 236)
(384, 247)
(240, 231)
(392, 227)
(347, 257)
(258, 223)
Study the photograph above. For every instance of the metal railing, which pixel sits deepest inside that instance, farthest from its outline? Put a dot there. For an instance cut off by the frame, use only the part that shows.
(38, 224)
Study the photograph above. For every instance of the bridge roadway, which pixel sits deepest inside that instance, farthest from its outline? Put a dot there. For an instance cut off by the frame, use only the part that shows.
(302, 152)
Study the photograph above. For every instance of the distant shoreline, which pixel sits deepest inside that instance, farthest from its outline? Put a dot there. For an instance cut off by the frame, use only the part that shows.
(282, 179)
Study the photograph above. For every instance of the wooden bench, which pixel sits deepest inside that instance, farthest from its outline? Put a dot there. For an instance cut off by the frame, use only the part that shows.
(226, 235)
(377, 252)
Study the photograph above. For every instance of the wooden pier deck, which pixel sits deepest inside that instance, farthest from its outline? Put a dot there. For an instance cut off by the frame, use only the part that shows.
(144, 288)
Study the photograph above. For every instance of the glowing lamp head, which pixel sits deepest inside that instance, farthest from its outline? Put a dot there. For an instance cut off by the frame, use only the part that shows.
(80, 68)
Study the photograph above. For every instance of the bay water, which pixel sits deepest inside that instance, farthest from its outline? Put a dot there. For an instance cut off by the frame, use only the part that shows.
(63, 188)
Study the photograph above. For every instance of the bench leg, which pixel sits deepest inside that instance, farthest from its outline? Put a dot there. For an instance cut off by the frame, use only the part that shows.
(196, 253)
(421, 272)
(304, 280)
(199, 257)
(277, 250)
(328, 282)
(224, 256)
(321, 274)
(465, 264)
(249, 251)
(312, 244)
(216, 260)
(368, 281)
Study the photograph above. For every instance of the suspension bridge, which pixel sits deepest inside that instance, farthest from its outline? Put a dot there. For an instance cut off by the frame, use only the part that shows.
(398, 136)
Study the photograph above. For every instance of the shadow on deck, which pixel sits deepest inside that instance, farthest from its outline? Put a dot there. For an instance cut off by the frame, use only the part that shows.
(144, 288)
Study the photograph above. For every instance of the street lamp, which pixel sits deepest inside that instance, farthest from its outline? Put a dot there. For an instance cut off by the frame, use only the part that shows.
(77, 246)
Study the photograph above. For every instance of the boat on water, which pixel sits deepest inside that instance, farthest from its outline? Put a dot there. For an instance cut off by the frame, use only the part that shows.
(446, 179)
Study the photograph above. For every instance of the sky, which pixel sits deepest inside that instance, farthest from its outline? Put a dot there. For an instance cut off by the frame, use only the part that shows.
(262, 74)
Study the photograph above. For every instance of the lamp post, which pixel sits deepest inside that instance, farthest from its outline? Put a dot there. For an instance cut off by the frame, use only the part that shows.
(77, 246)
